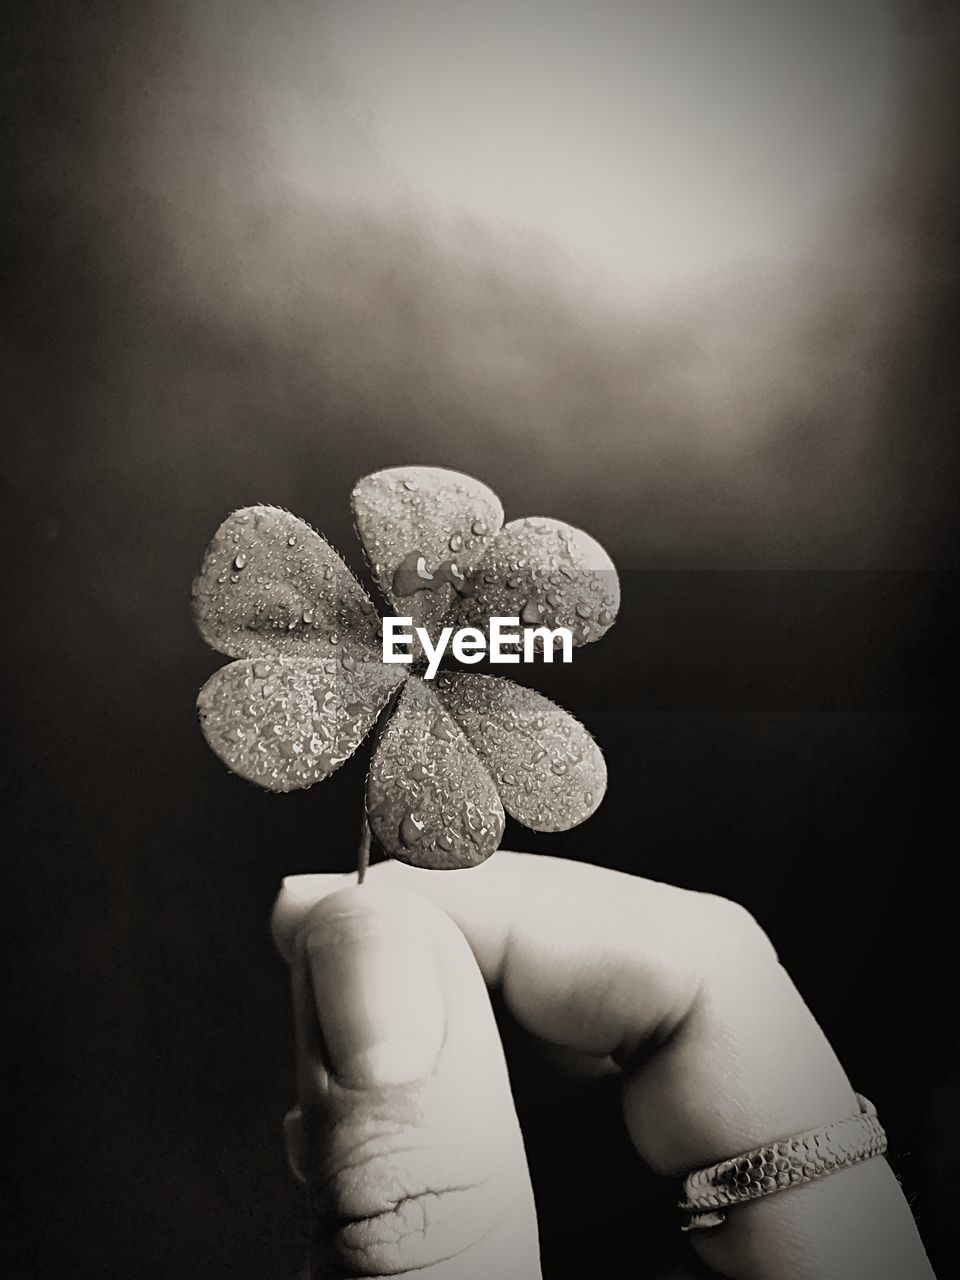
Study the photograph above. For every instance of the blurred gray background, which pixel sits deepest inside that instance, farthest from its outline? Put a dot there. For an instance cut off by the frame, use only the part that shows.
(680, 272)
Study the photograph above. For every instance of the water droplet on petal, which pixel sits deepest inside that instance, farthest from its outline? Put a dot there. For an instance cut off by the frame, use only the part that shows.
(442, 730)
(455, 543)
(239, 560)
(411, 829)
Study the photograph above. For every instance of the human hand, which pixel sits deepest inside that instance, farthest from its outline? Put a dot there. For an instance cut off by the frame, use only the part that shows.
(406, 1128)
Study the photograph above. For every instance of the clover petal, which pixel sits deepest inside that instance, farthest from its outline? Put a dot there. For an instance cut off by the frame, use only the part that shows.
(430, 801)
(549, 772)
(546, 573)
(269, 586)
(286, 723)
(423, 529)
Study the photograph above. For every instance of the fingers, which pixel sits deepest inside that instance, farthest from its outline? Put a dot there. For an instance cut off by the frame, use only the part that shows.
(571, 945)
(406, 1132)
(611, 964)
(718, 1050)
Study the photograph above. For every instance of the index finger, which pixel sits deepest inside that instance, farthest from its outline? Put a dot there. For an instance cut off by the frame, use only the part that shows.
(719, 1052)
(681, 989)
(572, 947)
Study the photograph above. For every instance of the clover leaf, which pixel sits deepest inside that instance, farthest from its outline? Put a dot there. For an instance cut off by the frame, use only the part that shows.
(455, 754)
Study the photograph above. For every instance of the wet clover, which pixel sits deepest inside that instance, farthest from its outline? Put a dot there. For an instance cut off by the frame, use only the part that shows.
(308, 681)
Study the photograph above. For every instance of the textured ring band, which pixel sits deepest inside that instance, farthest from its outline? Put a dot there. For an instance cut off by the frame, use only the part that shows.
(780, 1165)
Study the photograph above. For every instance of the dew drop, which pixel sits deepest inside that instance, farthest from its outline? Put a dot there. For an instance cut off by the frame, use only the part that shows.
(410, 486)
(478, 528)
(239, 560)
(308, 616)
(348, 662)
(412, 574)
(584, 611)
(261, 670)
(558, 767)
(530, 614)
(440, 729)
(411, 829)
(455, 543)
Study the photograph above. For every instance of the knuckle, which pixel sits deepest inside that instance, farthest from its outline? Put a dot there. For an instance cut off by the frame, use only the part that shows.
(728, 928)
(390, 1203)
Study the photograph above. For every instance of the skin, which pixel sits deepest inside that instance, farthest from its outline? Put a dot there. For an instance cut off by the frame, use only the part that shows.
(406, 1125)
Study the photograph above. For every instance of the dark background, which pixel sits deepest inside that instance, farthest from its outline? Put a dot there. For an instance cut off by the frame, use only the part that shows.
(769, 458)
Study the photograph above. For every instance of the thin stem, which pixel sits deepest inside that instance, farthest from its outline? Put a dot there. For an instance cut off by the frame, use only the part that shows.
(366, 835)
(363, 852)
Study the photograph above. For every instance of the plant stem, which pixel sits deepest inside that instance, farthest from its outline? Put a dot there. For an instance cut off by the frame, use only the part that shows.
(363, 853)
(366, 835)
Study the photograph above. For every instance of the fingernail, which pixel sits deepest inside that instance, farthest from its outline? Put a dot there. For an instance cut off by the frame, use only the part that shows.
(298, 894)
(378, 997)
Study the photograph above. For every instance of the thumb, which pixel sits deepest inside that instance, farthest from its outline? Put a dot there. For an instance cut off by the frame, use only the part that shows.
(410, 1143)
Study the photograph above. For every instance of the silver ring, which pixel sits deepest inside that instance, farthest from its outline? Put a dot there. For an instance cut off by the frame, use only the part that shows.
(805, 1157)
